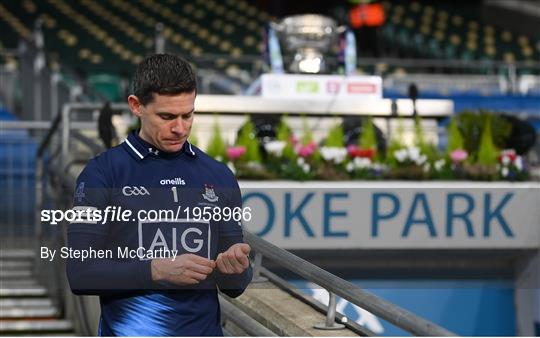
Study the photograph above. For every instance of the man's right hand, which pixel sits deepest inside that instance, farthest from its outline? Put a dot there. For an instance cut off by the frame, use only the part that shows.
(186, 269)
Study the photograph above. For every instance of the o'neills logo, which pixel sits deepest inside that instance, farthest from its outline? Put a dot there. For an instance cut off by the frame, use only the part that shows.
(173, 181)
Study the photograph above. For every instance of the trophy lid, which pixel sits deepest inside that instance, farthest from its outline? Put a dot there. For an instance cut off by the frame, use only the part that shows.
(313, 25)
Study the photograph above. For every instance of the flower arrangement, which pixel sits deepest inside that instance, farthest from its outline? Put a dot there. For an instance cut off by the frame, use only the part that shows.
(510, 165)
(333, 155)
(362, 164)
(410, 161)
(294, 157)
(300, 163)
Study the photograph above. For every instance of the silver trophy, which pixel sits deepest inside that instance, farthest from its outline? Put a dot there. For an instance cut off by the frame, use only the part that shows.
(309, 37)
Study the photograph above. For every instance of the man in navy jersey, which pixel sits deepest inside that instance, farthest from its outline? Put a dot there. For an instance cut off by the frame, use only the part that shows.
(169, 287)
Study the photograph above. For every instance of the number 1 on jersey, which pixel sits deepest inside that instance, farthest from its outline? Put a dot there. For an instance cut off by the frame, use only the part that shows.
(175, 194)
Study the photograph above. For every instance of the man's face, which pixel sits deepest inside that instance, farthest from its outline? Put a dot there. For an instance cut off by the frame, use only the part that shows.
(166, 121)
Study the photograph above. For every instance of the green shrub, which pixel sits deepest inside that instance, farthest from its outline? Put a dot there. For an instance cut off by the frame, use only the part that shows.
(248, 139)
(216, 146)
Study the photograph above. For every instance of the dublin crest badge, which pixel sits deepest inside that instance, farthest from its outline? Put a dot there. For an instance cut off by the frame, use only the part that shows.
(209, 193)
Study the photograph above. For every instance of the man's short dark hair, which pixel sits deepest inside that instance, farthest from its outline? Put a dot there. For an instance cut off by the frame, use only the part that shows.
(163, 74)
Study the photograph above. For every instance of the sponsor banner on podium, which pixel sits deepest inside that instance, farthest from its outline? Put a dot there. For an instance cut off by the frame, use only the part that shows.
(321, 86)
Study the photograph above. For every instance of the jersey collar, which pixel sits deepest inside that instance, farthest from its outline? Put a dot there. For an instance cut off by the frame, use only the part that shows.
(140, 149)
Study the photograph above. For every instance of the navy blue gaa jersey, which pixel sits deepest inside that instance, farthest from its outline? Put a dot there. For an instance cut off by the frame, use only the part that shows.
(135, 176)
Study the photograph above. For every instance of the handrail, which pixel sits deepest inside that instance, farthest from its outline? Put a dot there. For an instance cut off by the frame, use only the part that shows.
(90, 143)
(349, 291)
(293, 291)
(401, 62)
(452, 63)
(48, 137)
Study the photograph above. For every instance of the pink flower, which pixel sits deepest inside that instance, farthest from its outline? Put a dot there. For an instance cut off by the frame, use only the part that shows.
(458, 155)
(312, 145)
(234, 153)
(306, 150)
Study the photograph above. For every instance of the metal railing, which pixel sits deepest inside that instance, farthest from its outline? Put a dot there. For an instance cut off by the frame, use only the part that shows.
(17, 180)
(455, 76)
(340, 287)
(311, 301)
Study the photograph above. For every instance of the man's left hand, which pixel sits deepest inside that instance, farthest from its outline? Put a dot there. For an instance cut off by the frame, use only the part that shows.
(235, 260)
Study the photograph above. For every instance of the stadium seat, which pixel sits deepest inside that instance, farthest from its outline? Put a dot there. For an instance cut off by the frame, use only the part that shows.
(112, 36)
(447, 31)
(108, 85)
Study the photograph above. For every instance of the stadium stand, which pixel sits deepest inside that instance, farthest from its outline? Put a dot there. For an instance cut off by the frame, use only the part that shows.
(438, 30)
(109, 32)
(95, 37)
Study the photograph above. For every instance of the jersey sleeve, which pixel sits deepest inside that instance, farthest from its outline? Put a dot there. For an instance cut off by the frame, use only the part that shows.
(91, 198)
(99, 276)
(230, 233)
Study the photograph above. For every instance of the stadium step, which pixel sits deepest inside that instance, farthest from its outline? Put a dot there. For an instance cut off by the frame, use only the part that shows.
(25, 302)
(23, 291)
(25, 306)
(15, 274)
(28, 312)
(35, 327)
(17, 254)
(13, 283)
(6, 265)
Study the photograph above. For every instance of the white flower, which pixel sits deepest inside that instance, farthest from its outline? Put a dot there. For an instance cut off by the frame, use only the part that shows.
(421, 159)
(426, 167)
(504, 171)
(400, 155)
(414, 153)
(349, 167)
(505, 160)
(306, 167)
(364, 163)
(300, 161)
(359, 163)
(341, 154)
(327, 153)
(439, 164)
(275, 147)
(334, 154)
(518, 162)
